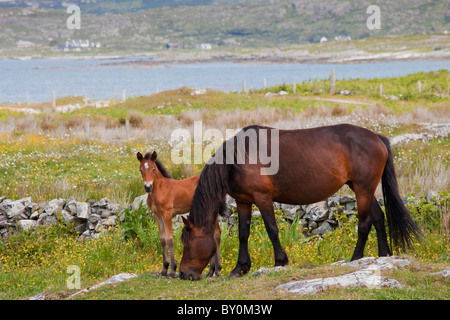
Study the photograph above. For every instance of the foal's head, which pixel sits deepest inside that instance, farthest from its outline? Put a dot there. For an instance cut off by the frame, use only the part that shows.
(147, 169)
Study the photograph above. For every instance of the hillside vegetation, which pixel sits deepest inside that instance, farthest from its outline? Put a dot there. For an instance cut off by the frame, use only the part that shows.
(265, 24)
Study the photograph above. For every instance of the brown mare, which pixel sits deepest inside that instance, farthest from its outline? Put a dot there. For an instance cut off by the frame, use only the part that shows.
(166, 198)
(312, 165)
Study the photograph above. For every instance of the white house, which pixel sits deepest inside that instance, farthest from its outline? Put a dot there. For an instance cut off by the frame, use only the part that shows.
(323, 39)
(204, 46)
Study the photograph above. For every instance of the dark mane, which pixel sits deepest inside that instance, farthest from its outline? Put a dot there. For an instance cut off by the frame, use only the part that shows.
(160, 166)
(163, 169)
(209, 197)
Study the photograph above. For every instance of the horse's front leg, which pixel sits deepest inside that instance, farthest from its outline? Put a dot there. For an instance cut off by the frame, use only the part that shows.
(215, 265)
(244, 262)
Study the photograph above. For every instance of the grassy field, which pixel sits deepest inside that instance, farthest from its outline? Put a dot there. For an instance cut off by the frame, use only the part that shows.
(49, 155)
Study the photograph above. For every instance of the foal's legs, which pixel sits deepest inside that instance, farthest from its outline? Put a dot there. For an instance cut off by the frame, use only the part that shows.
(244, 263)
(268, 215)
(162, 238)
(215, 265)
(169, 242)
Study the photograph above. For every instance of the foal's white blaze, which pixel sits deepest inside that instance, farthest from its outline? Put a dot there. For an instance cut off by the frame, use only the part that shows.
(146, 165)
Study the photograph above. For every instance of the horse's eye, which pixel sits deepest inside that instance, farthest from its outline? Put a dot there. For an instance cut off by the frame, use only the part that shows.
(154, 170)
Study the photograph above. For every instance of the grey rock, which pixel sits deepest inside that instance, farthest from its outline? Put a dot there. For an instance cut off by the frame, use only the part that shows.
(324, 228)
(362, 278)
(290, 210)
(111, 221)
(114, 208)
(137, 200)
(350, 212)
(445, 273)
(12, 208)
(265, 270)
(94, 218)
(346, 199)
(350, 205)
(104, 213)
(25, 225)
(55, 206)
(67, 216)
(102, 203)
(317, 212)
(25, 201)
(71, 206)
(333, 201)
(83, 210)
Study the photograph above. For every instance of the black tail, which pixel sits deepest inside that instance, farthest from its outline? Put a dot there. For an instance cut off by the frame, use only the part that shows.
(402, 228)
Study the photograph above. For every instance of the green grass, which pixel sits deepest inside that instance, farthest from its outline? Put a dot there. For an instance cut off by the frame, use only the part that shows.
(45, 164)
(32, 263)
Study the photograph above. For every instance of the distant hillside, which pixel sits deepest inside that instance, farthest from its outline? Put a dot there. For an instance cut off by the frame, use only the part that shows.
(265, 24)
(120, 6)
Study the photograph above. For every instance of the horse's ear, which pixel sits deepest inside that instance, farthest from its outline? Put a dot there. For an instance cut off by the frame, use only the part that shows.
(153, 156)
(187, 223)
(139, 156)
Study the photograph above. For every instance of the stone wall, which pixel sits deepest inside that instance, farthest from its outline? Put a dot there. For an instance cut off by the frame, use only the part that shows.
(91, 218)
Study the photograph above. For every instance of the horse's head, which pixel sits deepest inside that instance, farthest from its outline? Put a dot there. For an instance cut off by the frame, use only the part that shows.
(199, 248)
(147, 169)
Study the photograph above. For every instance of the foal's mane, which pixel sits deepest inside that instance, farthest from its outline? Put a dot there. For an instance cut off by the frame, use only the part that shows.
(160, 166)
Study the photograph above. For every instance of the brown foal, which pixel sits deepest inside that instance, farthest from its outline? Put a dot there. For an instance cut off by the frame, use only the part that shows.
(167, 198)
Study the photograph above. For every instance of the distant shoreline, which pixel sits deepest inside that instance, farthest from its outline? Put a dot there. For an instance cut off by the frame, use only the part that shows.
(262, 56)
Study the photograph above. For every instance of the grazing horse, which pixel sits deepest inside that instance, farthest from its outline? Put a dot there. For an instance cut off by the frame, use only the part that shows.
(166, 198)
(313, 164)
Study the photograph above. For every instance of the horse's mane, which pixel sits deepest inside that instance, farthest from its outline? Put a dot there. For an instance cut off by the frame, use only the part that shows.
(160, 166)
(209, 196)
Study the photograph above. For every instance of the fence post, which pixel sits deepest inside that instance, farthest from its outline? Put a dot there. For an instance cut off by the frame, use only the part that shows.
(381, 90)
(333, 82)
(53, 99)
(419, 86)
(123, 95)
(294, 86)
(88, 131)
(28, 99)
(127, 128)
(243, 87)
(265, 84)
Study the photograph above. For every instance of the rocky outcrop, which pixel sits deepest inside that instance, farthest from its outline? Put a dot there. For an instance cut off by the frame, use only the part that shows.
(368, 275)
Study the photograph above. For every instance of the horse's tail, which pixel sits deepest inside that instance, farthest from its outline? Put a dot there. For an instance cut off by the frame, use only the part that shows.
(402, 228)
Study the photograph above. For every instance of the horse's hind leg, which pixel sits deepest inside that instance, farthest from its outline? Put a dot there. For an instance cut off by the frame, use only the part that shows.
(364, 225)
(380, 226)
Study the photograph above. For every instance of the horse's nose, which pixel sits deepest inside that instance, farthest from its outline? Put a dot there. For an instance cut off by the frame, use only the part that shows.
(148, 187)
